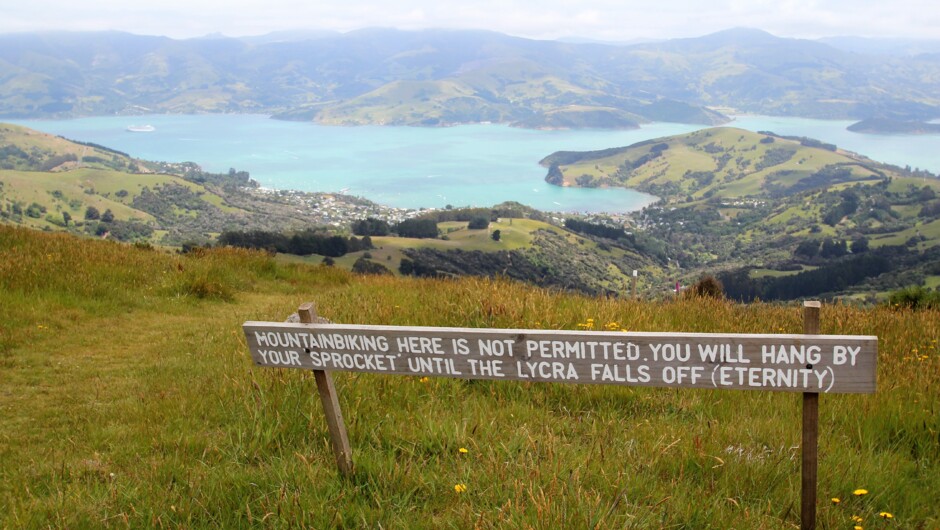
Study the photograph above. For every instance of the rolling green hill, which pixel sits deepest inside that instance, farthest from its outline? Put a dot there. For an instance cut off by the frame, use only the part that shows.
(786, 213)
(720, 162)
(732, 198)
(64, 186)
(51, 183)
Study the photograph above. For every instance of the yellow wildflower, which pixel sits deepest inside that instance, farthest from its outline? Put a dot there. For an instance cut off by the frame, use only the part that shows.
(859, 492)
(886, 515)
(424, 379)
(858, 527)
(836, 500)
(463, 450)
(460, 488)
(856, 519)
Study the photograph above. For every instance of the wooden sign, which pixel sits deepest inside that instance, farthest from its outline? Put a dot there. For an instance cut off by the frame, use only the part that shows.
(791, 363)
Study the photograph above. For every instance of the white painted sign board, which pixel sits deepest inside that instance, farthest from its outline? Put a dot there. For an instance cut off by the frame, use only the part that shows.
(792, 363)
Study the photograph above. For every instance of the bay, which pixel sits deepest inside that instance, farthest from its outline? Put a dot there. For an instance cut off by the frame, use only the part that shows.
(410, 167)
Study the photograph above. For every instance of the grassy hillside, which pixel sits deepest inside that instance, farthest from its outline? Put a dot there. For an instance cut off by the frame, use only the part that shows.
(722, 162)
(52, 188)
(129, 400)
(732, 198)
(50, 183)
(528, 250)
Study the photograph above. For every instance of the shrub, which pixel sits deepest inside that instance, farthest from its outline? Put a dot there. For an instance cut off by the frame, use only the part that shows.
(706, 287)
(915, 297)
(35, 211)
(364, 266)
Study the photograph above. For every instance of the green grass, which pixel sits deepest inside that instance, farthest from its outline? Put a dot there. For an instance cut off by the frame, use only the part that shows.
(686, 153)
(764, 273)
(33, 186)
(514, 234)
(929, 230)
(129, 400)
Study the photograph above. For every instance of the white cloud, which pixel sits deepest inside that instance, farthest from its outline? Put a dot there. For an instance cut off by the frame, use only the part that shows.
(607, 19)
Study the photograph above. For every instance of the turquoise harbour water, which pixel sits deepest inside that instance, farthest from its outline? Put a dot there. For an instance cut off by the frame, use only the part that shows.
(411, 167)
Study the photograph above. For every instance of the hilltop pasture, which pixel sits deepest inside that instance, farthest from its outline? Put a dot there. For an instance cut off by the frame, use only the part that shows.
(129, 400)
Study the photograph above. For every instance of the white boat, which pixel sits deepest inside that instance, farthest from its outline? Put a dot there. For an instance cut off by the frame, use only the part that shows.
(141, 128)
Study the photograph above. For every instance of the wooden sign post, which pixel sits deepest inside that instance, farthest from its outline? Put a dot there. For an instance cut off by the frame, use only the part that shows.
(330, 400)
(807, 363)
(810, 433)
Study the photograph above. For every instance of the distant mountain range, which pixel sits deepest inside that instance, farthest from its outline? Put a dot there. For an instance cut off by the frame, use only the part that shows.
(443, 77)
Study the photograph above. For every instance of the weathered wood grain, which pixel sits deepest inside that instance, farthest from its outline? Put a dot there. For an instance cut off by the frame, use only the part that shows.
(810, 435)
(339, 440)
(793, 363)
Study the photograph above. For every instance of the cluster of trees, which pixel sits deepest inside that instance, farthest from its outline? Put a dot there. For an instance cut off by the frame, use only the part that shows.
(594, 229)
(364, 265)
(99, 224)
(464, 214)
(808, 142)
(123, 230)
(300, 243)
(13, 157)
(508, 209)
(847, 206)
(417, 228)
(92, 214)
(371, 227)
(829, 248)
(829, 278)
(623, 172)
(774, 157)
(233, 178)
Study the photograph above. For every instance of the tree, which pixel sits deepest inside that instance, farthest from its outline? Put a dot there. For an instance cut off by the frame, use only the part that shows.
(478, 223)
(92, 213)
(335, 246)
(66, 217)
(496, 235)
(406, 267)
(833, 249)
(807, 249)
(328, 261)
(107, 216)
(35, 210)
(859, 246)
(926, 194)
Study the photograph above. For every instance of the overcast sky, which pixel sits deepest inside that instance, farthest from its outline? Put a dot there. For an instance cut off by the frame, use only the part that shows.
(614, 20)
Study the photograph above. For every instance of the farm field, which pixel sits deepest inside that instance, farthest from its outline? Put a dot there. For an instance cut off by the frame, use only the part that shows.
(129, 400)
